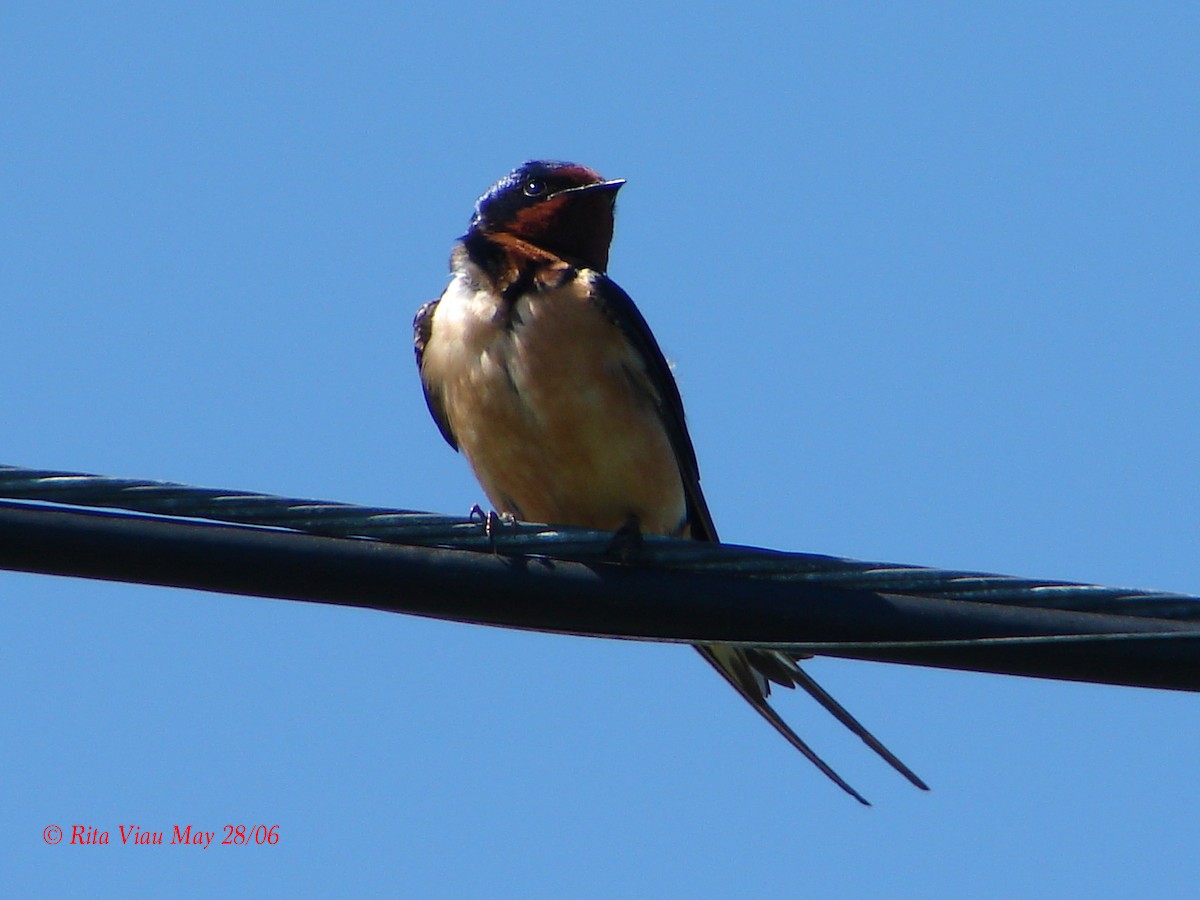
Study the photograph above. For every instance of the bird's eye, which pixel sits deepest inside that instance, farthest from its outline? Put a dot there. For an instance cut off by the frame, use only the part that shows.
(534, 187)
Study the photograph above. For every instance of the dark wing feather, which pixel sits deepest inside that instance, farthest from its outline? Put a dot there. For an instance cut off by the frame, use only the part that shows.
(422, 328)
(620, 309)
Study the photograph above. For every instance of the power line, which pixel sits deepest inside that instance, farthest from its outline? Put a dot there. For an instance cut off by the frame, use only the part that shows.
(560, 580)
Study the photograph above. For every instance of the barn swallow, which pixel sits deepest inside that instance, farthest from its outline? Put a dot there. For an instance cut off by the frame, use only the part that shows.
(543, 373)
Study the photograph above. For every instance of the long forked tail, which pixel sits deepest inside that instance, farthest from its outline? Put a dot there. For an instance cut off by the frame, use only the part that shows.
(748, 674)
(839, 712)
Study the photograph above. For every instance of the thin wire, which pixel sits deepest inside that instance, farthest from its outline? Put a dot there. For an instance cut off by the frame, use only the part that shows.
(818, 647)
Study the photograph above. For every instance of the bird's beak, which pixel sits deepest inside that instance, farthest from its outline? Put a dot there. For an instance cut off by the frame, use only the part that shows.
(606, 186)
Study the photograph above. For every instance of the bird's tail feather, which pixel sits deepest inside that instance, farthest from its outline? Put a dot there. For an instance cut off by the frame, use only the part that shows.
(840, 713)
(750, 672)
(732, 665)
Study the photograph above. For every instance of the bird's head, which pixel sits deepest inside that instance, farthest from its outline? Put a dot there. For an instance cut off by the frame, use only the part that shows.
(561, 207)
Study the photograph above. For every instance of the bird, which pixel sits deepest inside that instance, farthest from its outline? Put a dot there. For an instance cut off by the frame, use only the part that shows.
(542, 372)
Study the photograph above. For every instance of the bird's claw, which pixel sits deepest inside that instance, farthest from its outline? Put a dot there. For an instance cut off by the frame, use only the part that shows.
(491, 521)
(626, 543)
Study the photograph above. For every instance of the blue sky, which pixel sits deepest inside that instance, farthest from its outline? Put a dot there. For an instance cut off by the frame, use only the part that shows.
(929, 276)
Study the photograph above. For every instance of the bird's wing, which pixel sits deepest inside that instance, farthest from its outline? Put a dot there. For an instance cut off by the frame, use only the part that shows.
(749, 672)
(624, 314)
(422, 327)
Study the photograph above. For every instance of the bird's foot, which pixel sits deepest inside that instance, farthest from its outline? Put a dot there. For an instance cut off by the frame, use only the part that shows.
(626, 543)
(491, 521)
